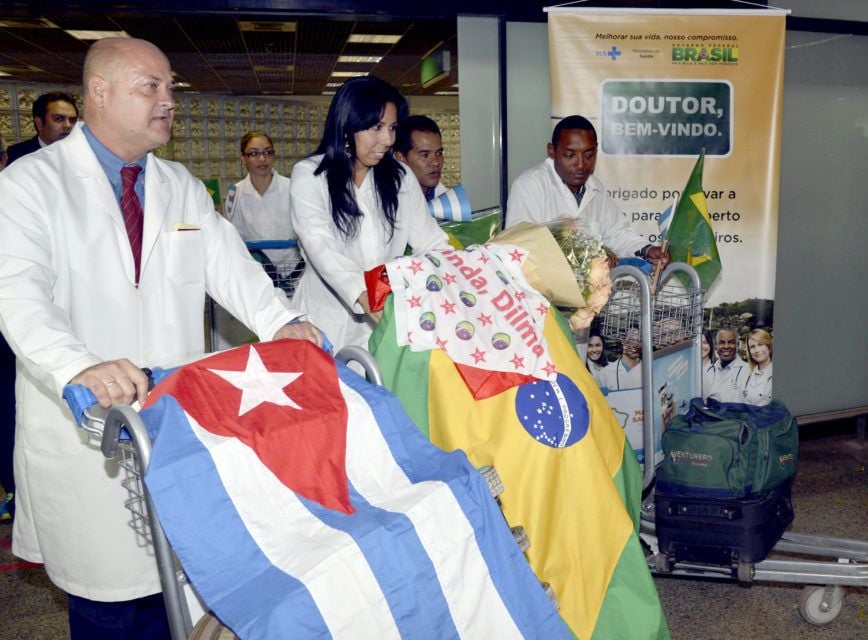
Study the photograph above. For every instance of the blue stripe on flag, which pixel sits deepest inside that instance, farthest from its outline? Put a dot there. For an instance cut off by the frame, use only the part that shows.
(421, 461)
(209, 538)
(435, 209)
(392, 548)
(446, 207)
(664, 220)
(466, 211)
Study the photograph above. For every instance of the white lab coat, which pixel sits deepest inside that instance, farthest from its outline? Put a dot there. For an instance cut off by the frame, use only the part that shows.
(334, 276)
(757, 388)
(68, 301)
(617, 376)
(726, 383)
(539, 195)
(597, 372)
(265, 217)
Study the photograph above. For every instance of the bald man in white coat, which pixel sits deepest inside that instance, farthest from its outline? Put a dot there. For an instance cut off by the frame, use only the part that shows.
(75, 307)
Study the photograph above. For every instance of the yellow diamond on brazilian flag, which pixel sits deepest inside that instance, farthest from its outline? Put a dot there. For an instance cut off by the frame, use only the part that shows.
(690, 236)
(573, 483)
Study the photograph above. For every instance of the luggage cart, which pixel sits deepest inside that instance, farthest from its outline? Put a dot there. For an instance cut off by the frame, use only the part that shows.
(284, 273)
(121, 432)
(666, 319)
(223, 330)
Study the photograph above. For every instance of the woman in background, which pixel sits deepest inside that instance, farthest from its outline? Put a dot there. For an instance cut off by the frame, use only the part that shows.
(596, 360)
(354, 208)
(758, 385)
(258, 206)
(708, 358)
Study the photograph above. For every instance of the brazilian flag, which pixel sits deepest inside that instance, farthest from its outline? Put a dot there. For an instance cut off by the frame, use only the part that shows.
(578, 499)
(690, 236)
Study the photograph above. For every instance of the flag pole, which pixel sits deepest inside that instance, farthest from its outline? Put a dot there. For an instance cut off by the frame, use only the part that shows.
(664, 247)
(658, 268)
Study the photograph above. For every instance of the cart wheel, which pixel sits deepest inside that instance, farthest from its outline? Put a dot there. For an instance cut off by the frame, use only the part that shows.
(745, 572)
(817, 608)
(492, 479)
(662, 563)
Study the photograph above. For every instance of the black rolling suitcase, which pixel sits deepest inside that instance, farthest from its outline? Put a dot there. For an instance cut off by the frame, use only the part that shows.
(722, 531)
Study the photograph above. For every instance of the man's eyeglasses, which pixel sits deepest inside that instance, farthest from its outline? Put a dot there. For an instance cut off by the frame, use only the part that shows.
(255, 154)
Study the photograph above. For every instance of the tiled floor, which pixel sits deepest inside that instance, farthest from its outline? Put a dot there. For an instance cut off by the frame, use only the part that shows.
(830, 497)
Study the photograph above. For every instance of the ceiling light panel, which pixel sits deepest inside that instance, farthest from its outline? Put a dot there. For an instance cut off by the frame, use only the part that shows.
(359, 59)
(84, 34)
(268, 27)
(26, 23)
(374, 38)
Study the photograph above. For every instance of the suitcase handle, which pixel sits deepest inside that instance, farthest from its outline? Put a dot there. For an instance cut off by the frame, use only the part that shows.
(724, 512)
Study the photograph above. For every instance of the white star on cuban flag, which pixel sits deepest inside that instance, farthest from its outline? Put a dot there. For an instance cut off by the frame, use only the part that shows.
(259, 385)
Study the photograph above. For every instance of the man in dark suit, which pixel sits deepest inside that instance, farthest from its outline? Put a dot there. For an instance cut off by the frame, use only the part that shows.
(54, 116)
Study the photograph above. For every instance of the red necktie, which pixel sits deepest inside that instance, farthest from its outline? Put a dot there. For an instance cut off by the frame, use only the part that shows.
(132, 210)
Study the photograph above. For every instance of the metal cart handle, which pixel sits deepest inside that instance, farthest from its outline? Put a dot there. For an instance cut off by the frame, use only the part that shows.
(353, 353)
(648, 439)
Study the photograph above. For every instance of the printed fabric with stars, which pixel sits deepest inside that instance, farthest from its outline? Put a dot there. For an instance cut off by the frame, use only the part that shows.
(475, 305)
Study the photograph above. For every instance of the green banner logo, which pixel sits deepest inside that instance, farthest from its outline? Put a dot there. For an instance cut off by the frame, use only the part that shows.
(666, 118)
(708, 55)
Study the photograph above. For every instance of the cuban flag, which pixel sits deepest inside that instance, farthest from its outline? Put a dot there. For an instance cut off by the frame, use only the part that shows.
(664, 221)
(452, 205)
(303, 503)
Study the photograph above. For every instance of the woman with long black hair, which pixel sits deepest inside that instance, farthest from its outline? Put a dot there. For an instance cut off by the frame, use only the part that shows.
(596, 360)
(354, 207)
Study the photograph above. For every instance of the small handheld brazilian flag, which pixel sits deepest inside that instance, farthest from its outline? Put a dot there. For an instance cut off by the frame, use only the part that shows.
(690, 236)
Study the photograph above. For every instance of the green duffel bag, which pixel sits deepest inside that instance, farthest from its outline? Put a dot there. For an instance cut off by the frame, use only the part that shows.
(728, 450)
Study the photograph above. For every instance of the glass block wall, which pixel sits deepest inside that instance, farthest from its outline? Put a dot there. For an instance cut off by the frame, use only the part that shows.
(207, 129)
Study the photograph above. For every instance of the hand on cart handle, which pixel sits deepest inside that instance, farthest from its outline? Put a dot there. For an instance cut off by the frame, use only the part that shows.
(114, 382)
(301, 331)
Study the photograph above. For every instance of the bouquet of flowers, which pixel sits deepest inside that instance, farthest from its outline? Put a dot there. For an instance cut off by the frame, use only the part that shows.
(568, 267)
(589, 263)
